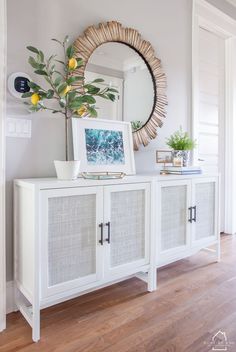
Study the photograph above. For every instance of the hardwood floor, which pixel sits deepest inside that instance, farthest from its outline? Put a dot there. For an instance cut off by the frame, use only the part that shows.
(195, 299)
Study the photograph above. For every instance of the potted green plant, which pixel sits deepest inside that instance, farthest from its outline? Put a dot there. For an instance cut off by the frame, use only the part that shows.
(181, 144)
(67, 94)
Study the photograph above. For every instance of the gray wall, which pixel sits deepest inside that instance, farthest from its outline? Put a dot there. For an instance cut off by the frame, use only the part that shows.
(165, 23)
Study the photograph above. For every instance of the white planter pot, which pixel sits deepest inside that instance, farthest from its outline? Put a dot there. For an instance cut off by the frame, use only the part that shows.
(67, 170)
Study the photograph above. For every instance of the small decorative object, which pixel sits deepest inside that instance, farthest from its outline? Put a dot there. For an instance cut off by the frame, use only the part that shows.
(67, 170)
(182, 170)
(73, 97)
(164, 157)
(18, 84)
(103, 144)
(182, 145)
(136, 125)
(102, 175)
(178, 161)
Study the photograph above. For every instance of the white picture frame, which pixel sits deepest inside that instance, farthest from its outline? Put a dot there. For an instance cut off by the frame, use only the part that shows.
(86, 130)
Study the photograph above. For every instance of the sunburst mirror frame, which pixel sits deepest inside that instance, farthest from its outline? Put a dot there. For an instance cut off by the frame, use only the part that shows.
(113, 31)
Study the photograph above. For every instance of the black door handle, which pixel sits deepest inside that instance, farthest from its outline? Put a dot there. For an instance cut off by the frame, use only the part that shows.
(108, 224)
(191, 214)
(101, 240)
(195, 213)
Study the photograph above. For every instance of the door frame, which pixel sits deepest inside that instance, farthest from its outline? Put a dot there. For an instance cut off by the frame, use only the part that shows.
(210, 18)
(3, 42)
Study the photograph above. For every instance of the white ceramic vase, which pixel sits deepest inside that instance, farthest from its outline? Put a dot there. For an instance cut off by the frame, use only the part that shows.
(67, 170)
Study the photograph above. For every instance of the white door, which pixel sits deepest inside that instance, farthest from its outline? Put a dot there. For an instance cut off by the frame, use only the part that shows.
(205, 211)
(70, 238)
(209, 126)
(127, 221)
(107, 109)
(173, 219)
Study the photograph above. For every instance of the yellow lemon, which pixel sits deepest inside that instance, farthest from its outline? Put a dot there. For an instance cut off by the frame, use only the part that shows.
(35, 99)
(66, 90)
(81, 110)
(72, 63)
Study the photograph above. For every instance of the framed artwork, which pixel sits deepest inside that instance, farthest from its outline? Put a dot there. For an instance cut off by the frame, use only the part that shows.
(103, 145)
(164, 157)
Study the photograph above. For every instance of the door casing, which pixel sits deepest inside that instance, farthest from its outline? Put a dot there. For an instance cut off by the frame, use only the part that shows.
(214, 20)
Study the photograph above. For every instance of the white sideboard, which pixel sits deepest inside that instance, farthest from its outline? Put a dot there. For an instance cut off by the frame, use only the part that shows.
(72, 237)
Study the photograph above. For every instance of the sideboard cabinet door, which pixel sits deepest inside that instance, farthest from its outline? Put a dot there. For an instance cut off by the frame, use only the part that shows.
(127, 213)
(174, 198)
(205, 203)
(70, 233)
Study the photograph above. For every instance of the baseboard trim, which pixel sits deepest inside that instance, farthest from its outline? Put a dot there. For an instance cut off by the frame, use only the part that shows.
(10, 301)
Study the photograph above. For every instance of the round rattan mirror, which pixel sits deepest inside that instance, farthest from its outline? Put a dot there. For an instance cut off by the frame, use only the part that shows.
(127, 63)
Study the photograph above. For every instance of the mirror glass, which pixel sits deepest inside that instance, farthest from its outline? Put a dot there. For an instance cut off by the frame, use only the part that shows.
(124, 69)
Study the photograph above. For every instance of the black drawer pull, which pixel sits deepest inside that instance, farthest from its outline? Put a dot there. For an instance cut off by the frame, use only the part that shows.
(195, 213)
(101, 240)
(191, 214)
(108, 224)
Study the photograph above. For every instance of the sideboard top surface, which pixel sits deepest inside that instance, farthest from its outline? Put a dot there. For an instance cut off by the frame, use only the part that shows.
(53, 182)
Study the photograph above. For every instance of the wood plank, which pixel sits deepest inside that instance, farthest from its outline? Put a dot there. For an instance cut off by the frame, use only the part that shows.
(195, 299)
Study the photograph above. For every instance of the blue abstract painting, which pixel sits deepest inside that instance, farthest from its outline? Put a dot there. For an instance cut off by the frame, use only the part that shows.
(104, 147)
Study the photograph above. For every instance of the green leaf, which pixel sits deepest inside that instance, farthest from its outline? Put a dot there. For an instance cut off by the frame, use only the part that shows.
(98, 80)
(79, 78)
(41, 72)
(32, 62)
(33, 49)
(51, 57)
(70, 51)
(42, 94)
(111, 97)
(47, 79)
(50, 94)
(62, 103)
(57, 81)
(91, 89)
(113, 90)
(35, 108)
(66, 39)
(103, 96)
(71, 95)
(80, 62)
(62, 87)
(88, 99)
(56, 40)
(41, 56)
(34, 86)
(59, 73)
(74, 79)
(52, 69)
(92, 111)
(27, 95)
(75, 105)
(61, 62)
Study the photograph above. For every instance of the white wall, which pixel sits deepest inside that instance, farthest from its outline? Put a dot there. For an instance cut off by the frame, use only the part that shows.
(165, 23)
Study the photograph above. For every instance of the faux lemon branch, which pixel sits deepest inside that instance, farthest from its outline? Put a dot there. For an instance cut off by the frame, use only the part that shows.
(74, 97)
